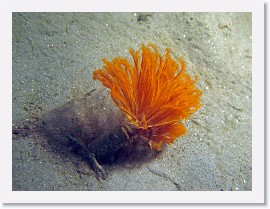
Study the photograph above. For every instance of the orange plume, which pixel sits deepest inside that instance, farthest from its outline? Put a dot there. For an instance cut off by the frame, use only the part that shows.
(155, 93)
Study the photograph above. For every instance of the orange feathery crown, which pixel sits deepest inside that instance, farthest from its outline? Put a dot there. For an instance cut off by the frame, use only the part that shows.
(155, 93)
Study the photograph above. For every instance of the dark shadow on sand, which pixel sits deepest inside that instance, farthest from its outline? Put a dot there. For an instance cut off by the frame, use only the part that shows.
(89, 120)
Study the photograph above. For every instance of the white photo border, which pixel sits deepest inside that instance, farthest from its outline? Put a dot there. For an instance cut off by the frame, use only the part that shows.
(257, 194)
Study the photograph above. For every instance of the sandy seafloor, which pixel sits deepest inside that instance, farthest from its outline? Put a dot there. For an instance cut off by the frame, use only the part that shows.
(54, 55)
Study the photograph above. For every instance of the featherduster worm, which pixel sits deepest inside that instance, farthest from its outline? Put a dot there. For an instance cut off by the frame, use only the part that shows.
(155, 93)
